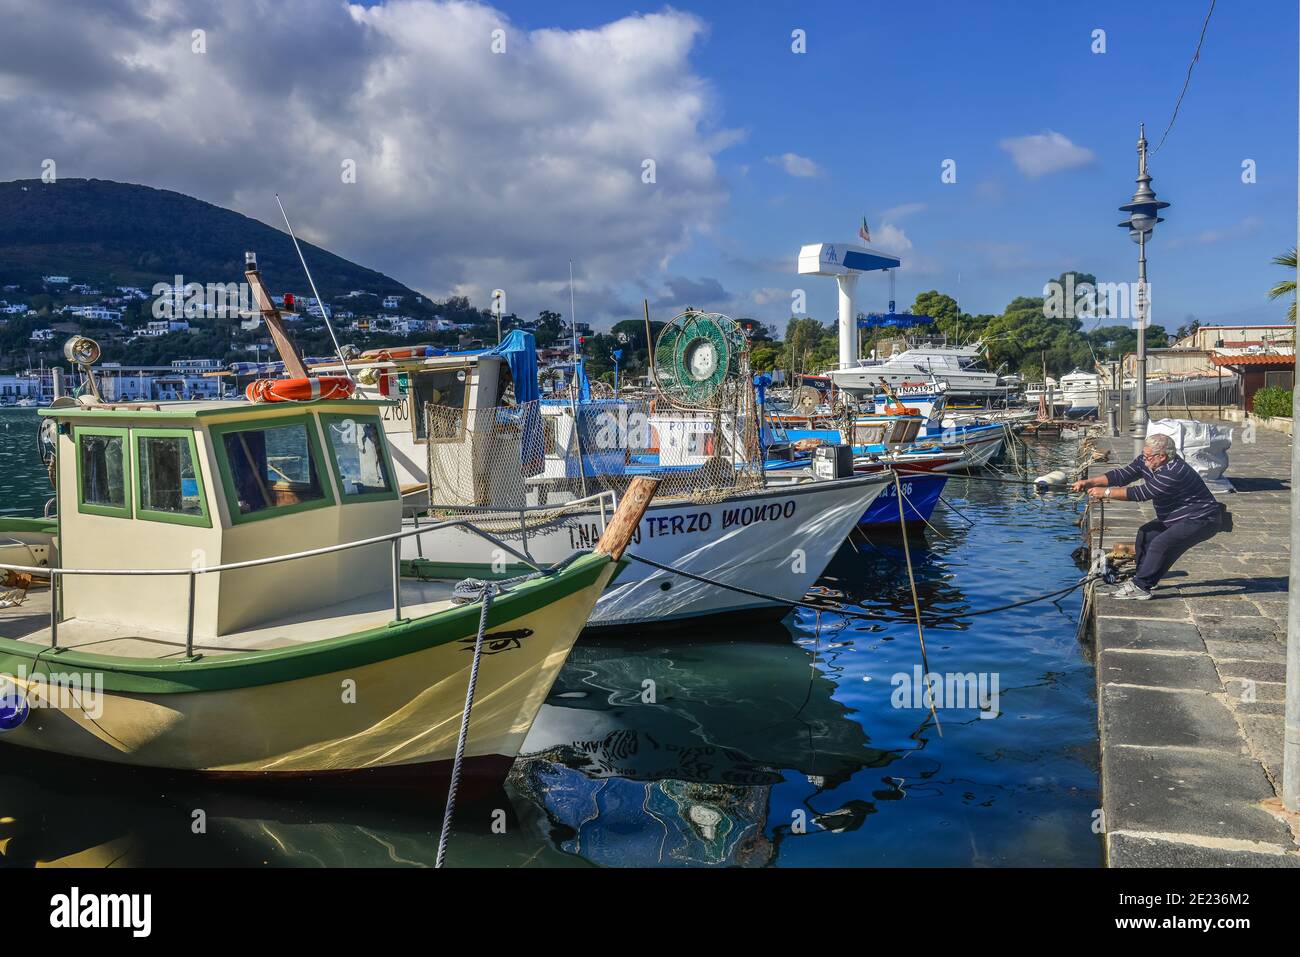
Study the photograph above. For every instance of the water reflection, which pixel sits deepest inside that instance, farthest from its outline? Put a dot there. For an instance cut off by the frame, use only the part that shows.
(670, 754)
(57, 813)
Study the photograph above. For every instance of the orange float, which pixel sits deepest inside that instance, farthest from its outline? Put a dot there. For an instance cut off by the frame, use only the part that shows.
(300, 390)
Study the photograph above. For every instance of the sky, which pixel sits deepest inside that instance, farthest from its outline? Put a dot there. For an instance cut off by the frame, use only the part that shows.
(684, 153)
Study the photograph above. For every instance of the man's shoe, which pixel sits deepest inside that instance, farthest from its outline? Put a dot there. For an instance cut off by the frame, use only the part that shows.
(1131, 592)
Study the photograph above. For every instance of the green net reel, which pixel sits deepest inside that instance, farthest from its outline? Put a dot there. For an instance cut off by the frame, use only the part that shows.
(696, 356)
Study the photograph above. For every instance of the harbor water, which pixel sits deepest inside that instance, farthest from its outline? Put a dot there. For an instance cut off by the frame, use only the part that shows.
(800, 743)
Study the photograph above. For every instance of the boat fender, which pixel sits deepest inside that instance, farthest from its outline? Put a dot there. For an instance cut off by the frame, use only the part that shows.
(1056, 477)
(13, 705)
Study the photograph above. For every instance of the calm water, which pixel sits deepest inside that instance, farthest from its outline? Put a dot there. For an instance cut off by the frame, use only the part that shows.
(760, 746)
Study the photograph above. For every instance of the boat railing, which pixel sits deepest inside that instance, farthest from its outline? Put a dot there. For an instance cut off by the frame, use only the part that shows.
(607, 500)
(393, 538)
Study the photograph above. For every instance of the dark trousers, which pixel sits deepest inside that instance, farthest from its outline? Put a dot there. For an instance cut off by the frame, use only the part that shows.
(1159, 545)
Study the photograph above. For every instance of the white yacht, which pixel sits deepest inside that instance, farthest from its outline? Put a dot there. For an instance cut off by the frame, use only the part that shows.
(924, 362)
(1080, 390)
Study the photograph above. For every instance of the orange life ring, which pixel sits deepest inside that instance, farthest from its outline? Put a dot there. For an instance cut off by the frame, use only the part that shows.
(300, 390)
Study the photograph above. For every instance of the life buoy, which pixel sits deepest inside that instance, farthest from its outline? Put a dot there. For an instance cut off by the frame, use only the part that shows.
(300, 390)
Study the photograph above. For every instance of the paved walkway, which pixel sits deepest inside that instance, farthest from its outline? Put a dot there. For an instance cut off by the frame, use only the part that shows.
(1190, 684)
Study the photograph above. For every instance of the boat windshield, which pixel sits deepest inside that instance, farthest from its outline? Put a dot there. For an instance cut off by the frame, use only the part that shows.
(271, 467)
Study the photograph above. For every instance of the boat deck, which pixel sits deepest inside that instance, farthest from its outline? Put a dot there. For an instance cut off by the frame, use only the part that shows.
(30, 622)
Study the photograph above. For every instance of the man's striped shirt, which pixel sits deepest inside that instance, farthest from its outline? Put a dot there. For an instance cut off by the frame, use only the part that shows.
(1175, 489)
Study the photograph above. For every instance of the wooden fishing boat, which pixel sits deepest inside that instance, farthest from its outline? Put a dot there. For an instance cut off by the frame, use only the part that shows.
(220, 592)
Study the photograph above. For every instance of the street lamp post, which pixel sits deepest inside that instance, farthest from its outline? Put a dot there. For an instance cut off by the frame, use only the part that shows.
(1140, 224)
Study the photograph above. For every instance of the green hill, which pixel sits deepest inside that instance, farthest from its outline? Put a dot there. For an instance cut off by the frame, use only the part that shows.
(110, 234)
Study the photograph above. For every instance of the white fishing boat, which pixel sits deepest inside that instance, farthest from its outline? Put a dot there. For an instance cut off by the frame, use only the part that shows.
(546, 472)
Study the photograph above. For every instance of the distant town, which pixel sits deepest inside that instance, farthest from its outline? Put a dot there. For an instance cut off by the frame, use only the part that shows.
(173, 340)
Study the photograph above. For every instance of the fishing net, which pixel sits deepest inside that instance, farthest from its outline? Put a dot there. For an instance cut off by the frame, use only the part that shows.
(516, 468)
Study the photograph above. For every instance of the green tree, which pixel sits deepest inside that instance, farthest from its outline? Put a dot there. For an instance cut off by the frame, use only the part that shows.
(942, 308)
(1287, 286)
(802, 339)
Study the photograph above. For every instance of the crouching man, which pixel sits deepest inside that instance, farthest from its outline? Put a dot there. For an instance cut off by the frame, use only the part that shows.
(1187, 513)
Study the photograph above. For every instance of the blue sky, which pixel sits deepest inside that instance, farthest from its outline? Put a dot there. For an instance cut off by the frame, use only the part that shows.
(886, 92)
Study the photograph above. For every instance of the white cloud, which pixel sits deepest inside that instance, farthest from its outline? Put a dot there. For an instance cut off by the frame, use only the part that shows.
(796, 165)
(1243, 228)
(474, 170)
(903, 210)
(766, 294)
(891, 239)
(1041, 153)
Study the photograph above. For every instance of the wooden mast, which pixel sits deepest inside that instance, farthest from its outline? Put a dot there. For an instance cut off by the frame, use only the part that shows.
(293, 364)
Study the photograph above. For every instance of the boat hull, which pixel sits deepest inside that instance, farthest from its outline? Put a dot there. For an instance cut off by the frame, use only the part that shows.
(776, 541)
(385, 699)
(920, 496)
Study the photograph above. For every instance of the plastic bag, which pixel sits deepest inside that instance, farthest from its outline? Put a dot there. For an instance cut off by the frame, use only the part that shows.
(1202, 445)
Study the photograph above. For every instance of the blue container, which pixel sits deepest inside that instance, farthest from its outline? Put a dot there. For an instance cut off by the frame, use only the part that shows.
(920, 496)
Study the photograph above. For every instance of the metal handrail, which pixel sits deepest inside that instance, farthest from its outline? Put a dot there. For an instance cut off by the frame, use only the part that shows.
(193, 573)
(394, 538)
(291, 556)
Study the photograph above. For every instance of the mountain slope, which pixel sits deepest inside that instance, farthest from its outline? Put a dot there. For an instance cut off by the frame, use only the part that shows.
(121, 234)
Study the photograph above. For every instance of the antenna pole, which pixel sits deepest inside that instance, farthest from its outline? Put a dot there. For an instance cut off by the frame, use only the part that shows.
(649, 340)
(573, 319)
(311, 282)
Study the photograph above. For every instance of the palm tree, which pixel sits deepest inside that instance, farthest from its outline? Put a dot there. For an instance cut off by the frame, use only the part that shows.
(1287, 286)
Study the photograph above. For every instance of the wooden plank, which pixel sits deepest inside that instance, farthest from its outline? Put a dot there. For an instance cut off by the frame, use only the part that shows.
(293, 365)
(620, 528)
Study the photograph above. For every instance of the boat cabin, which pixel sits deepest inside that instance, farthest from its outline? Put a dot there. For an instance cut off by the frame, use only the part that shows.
(435, 406)
(192, 484)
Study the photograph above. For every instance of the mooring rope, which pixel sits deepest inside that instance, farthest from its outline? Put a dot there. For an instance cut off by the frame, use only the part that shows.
(862, 616)
(916, 601)
(486, 592)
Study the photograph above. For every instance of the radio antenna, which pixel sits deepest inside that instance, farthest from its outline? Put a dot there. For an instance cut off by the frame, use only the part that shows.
(573, 319)
(312, 282)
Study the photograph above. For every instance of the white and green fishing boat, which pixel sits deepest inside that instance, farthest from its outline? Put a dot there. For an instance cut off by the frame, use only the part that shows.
(220, 591)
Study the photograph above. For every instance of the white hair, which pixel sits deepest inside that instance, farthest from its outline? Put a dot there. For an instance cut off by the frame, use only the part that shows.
(1162, 445)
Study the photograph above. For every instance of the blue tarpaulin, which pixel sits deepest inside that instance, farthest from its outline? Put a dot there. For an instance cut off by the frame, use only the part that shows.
(519, 350)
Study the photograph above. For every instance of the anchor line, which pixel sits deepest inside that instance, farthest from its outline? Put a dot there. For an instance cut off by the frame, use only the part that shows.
(487, 591)
(863, 616)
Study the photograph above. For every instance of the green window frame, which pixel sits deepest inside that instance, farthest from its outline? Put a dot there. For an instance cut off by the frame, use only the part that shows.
(323, 472)
(90, 508)
(202, 520)
(326, 420)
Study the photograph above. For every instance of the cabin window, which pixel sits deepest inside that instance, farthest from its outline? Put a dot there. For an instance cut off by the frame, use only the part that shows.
(271, 469)
(447, 391)
(103, 472)
(360, 457)
(168, 481)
